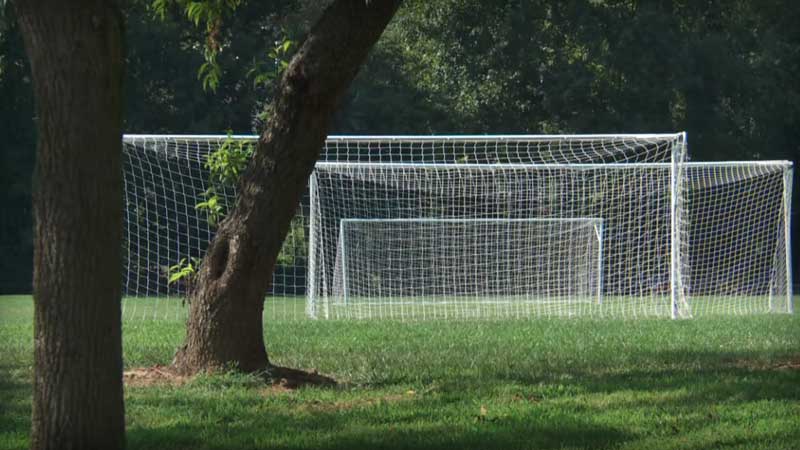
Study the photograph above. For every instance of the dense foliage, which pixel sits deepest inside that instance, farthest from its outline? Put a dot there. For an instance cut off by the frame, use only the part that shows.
(725, 71)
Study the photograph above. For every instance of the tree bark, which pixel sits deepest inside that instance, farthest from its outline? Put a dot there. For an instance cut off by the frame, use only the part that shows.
(76, 54)
(225, 327)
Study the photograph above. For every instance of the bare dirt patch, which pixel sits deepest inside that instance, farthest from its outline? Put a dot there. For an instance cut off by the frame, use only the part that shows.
(792, 363)
(789, 365)
(153, 376)
(277, 379)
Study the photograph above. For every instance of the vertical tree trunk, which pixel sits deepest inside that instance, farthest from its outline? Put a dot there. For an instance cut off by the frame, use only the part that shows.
(225, 318)
(76, 54)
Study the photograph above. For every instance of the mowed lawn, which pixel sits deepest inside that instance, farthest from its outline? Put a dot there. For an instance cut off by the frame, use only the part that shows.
(731, 382)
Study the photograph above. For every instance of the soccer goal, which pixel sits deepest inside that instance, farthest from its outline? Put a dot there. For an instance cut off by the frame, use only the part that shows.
(738, 251)
(462, 268)
(680, 238)
(634, 201)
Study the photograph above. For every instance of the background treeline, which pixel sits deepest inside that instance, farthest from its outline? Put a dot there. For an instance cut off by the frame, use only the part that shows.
(726, 71)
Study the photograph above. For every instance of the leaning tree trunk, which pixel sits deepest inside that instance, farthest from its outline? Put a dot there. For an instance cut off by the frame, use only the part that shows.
(225, 319)
(76, 54)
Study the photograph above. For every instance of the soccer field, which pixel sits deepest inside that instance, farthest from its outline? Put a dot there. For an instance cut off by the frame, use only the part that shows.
(293, 308)
(709, 382)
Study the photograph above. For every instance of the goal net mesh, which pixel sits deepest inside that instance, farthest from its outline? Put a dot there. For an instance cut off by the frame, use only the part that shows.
(737, 249)
(464, 268)
(633, 201)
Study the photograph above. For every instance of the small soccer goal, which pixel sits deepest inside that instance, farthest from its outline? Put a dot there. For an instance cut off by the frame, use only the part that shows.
(466, 268)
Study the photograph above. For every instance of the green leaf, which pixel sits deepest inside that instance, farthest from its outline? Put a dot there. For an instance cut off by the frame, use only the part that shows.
(183, 270)
(195, 11)
(159, 8)
(209, 73)
(175, 277)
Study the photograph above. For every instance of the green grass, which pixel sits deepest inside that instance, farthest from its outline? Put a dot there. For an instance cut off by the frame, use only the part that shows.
(505, 307)
(281, 308)
(711, 382)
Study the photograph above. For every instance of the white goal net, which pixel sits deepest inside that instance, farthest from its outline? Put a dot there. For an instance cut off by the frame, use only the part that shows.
(466, 268)
(633, 200)
(738, 252)
(663, 252)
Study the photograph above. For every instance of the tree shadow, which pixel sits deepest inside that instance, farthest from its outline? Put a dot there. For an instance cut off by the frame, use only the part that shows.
(15, 401)
(670, 381)
(698, 372)
(676, 383)
(407, 426)
(701, 377)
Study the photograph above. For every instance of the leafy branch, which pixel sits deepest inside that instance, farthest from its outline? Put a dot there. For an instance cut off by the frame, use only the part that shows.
(212, 205)
(265, 73)
(185, 271)
(225, 165)
(210, 14)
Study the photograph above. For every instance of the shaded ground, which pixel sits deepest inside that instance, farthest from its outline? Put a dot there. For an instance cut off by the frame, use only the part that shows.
(730, 382)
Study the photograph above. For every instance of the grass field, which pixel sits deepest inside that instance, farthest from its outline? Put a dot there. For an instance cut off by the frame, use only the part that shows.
(281, 308)
(712, 382)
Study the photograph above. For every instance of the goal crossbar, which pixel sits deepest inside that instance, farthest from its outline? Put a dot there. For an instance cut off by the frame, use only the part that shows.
(589, 220)
(427, 138)
(520, 166)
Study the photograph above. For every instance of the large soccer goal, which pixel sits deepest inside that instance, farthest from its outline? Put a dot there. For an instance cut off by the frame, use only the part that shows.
(462, 268)
(680, 238)
(640, 249)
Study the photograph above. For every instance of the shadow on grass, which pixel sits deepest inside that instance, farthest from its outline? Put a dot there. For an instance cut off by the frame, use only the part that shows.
(214, 416)
(694, 379)
(452, 415)
(400, 426)
(15, 401)
(671, 369)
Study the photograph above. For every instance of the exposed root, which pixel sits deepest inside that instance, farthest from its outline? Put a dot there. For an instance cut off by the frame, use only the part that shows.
(288, 378)
(792, 363)
(789, 365)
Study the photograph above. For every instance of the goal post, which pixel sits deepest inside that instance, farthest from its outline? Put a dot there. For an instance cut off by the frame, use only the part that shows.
(679, 306)
(466, 267)
(788, 177)
(597, 227)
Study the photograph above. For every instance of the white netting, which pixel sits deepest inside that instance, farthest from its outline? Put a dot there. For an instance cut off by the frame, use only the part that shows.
(626, 180)
(737, 249)
(466, 268)
(632, 199)
(497, 149)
